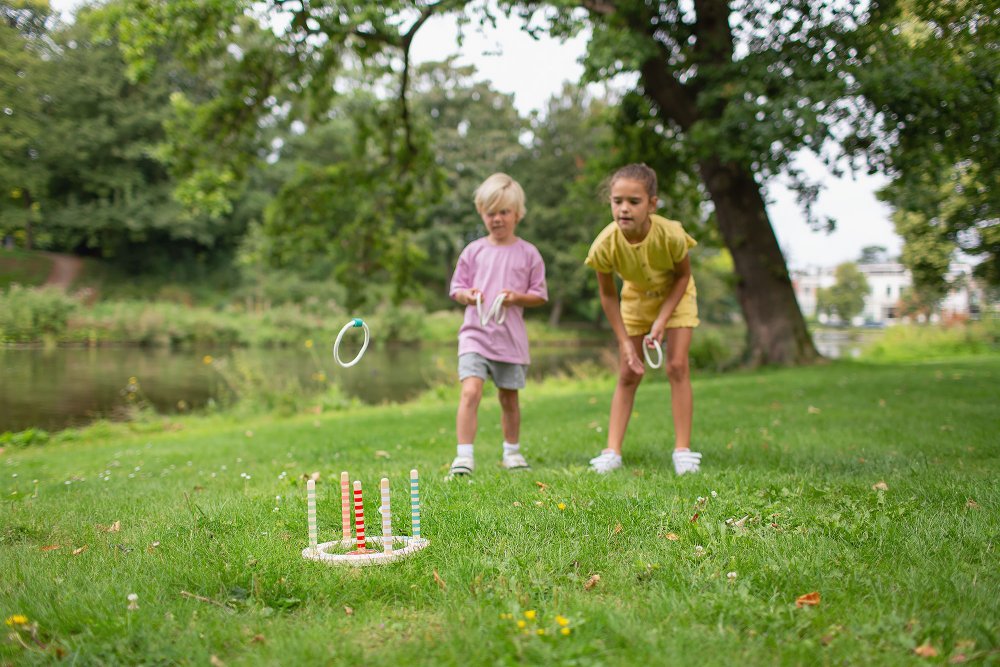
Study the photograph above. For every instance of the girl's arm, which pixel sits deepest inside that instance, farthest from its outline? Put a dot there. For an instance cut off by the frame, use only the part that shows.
(682, 276)
(612, 310)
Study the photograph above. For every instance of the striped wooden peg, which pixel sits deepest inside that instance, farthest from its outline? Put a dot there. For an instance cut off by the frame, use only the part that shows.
(359, 515)
(345, 504)
(311, 512)
(386, 517)
(415, 503)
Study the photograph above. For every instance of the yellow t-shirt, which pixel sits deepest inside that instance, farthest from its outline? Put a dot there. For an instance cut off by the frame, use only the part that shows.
(647, 271)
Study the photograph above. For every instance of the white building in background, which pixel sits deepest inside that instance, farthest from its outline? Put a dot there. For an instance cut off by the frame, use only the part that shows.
(887, 281)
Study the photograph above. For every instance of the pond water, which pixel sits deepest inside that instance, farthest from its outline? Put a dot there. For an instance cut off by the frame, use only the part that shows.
(64, 387)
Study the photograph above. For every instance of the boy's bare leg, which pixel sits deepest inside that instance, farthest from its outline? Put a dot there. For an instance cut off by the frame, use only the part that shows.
(623, 399)
(468, 408)
(679, 374)
(511, 414)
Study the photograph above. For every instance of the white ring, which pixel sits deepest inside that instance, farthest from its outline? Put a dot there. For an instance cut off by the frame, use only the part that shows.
(497, 311)
(321, 551)
(656, 346)
(356, 322)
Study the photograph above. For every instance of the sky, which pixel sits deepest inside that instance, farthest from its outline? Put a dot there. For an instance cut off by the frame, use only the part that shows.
(534, 70)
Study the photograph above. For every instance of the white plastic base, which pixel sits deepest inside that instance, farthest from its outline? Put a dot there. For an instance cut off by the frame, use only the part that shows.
(409, 546)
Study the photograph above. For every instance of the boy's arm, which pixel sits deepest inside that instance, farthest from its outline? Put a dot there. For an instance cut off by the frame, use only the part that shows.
(461, 290)
(612, 310)
(513, 298)
(682, 273)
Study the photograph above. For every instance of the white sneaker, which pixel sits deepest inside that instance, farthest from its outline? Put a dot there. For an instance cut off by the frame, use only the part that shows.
(605, 462)
(462, 465)
(515, 461)
(686, 461)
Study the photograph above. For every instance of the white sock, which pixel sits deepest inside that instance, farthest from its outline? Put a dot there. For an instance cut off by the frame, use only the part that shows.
(509, 448)
(465, 450)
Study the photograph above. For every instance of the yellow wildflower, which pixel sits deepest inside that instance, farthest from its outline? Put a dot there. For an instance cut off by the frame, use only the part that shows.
(561, 506)
(207, 359)
(565, 631)
(541, 631)
(562, 620)
(17, 619)
(530, 614)
(521, 624)
(309, 343)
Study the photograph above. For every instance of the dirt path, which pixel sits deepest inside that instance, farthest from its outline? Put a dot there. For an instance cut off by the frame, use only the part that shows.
(65, 269)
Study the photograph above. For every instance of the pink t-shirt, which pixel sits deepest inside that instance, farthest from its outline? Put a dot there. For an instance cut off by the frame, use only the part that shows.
(492, 268)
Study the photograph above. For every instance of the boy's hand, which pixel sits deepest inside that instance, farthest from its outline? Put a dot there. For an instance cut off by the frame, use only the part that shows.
(467, 297)
(631, 359)
(510, 297)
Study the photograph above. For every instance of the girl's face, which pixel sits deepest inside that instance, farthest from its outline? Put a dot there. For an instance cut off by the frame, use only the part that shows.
(631, 206)
(500, 224)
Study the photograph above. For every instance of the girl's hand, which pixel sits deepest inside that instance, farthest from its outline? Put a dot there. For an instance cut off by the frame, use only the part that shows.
(631, 359)
(656, 333)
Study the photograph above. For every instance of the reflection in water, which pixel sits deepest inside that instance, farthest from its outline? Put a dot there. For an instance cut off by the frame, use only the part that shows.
(59, 388)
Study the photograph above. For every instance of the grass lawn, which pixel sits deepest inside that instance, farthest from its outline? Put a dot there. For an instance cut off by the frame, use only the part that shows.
(639, 567)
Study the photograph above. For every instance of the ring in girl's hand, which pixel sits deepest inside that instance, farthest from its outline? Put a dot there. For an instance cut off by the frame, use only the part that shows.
(497, 311)
(356, 322)
(646, 340)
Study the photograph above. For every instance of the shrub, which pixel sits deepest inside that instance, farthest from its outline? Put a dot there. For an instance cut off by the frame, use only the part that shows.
(29, 314)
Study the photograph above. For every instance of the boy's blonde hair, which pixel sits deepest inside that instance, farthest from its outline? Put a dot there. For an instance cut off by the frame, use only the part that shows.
(500, 191)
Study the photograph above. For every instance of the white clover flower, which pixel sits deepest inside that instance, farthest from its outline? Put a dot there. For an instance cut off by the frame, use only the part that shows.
(731, 576)
(714, 494)
(133, 601)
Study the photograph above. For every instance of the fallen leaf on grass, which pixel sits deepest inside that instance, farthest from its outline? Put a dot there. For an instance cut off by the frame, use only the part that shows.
(810, 599)
(313, 476)
(594, 578)
(694, 518)
(925, 650)
(51, 547)
(672, 537)
(957, 659)
(439, 580)
(77, 552)
(880, 486)
(813, 410)
(541, 485)
(381, 454)
(113, 528)
(258, 639)
(349, 611)
(741, 522)
(971, 504)
(617, 529)
(215, 662)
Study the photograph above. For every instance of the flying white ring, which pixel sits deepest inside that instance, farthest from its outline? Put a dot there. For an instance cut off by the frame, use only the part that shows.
(497, 312)
(356, 322)
(656, 346)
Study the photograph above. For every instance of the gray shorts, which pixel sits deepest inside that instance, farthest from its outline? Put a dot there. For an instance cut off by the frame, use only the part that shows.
(505, 375)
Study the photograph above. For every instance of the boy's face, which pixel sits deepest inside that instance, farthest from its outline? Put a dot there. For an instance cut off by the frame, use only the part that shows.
(631, 206)
(500, 223)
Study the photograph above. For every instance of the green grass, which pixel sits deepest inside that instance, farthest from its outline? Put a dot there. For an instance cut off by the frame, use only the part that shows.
(797, 452)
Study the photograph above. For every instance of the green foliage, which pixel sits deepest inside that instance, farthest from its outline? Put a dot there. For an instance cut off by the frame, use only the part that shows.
(918, 342)
(932, 77)
(26, 438)
(28, 314)
(846, 297)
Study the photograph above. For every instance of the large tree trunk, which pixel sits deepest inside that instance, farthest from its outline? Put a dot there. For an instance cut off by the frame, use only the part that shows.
(776, 330)
(29, 232)
(555, 315)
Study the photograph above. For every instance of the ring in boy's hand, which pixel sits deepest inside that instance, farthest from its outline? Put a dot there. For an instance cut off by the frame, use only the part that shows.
(356, 322)
(646, 340)
(497, 310)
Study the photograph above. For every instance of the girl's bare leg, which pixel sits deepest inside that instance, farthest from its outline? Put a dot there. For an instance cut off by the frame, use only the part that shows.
(679, 374)
(623, 399)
